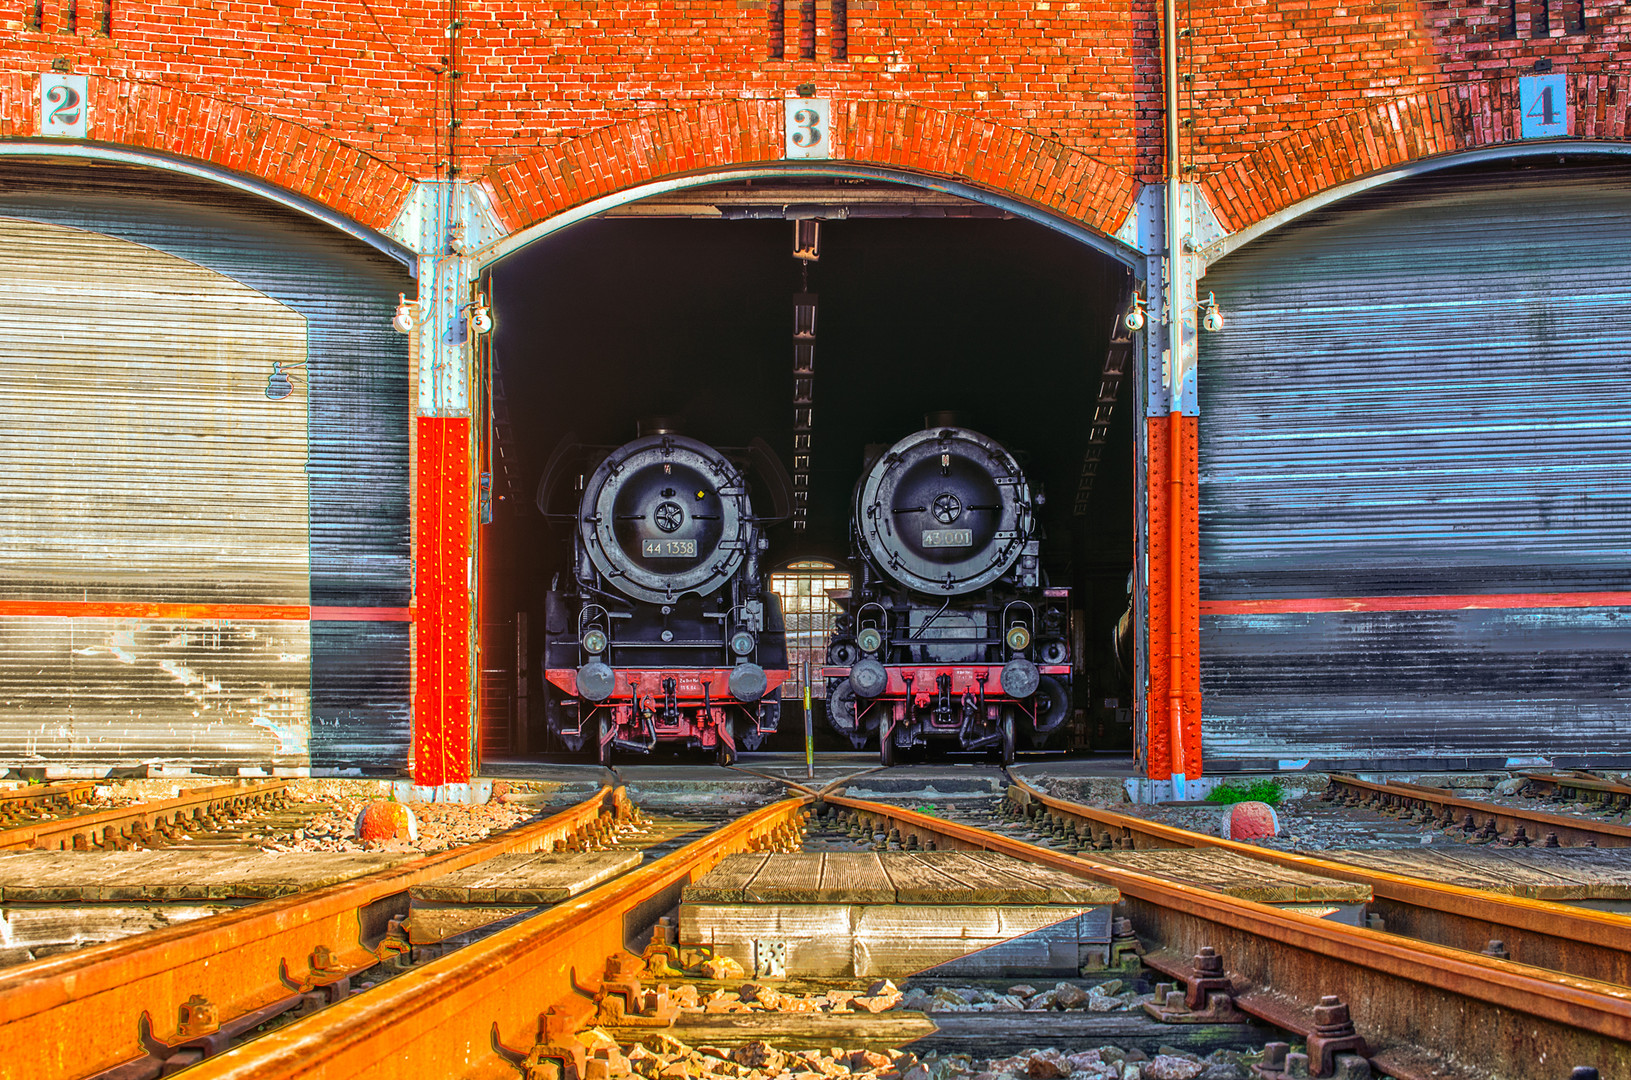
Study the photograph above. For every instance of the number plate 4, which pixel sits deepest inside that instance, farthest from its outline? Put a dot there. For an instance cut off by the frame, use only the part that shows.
(63, 105)
(1543, 105)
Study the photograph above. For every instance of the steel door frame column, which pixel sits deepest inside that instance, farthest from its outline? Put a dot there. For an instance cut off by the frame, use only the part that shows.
(1169, 743)
(444, 221)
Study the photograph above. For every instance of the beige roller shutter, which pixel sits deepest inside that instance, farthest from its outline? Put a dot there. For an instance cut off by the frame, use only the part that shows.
(154, 566)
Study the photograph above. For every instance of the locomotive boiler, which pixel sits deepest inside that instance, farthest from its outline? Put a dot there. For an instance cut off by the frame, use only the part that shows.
(666, 632)
(950, 631)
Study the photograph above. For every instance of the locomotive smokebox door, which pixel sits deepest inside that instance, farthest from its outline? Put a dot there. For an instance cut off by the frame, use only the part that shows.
(947, 511)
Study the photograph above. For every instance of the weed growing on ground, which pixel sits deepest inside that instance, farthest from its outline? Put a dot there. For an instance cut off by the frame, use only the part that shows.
(1264, 791)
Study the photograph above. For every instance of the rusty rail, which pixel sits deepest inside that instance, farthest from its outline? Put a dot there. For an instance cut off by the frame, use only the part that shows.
(1540, 933)
(1510, 823)
(1427, 1011)
(124, 1002)
(119, 826)
(74, 791)
(26, 803)
(1617, 796)
(484, 1010)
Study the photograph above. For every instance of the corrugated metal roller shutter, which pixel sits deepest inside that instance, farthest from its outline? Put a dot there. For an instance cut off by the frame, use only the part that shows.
(1416, 476)
(350, 414)
(144, 462)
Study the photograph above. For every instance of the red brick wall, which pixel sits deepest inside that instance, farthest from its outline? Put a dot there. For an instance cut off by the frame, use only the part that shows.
(1058, 102)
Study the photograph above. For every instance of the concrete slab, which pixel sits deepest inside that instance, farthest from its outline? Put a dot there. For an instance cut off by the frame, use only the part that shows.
(35, 931)
(852, 914)
(1249, 879)
(528, 878)
(1595, 877)
(177, 874)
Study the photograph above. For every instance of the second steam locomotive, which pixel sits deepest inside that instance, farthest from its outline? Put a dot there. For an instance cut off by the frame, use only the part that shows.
(666, 632)
(949, 631)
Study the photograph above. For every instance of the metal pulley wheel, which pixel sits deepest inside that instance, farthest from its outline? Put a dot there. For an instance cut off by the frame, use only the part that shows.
(666, 515)
(946, 511)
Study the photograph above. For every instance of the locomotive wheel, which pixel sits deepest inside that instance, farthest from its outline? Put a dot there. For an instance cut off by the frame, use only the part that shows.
(886, 744)
(1008, 736)
(607, 734)
(725, 753)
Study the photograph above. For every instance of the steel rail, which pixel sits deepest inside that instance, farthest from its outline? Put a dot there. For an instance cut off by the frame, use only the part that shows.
(89, 1011)
(474, 1013)
(1475, 1016)
(1499, 821)
(72, 792)
(1602, 790)
(118, 825)
(1540, 933)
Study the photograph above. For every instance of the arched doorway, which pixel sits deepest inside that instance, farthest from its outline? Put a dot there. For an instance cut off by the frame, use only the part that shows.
(683, 304)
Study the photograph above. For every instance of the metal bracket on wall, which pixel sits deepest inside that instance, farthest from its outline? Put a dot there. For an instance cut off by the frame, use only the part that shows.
(445, 222)
(1145, 230)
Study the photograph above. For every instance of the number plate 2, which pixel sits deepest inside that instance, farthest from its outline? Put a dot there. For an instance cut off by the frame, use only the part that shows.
(63, 105)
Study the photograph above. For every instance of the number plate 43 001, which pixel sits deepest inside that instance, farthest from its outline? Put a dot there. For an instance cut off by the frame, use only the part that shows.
(941, 538)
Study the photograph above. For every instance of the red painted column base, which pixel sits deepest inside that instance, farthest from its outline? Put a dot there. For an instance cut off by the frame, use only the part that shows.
(445, 534)
(1185, 666)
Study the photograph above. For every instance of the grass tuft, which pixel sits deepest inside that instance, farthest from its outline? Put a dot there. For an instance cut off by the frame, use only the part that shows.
(1264, 791)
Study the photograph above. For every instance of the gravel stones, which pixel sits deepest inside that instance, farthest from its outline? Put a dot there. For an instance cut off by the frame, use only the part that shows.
(1168, 1067)
(663, 1057)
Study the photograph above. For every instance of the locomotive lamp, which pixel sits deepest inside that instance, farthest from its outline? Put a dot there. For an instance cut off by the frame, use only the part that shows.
(741, 643)
(1134, 319)
(1213, 318)
(403, 320)
(481, 319)
(1019, 638)
(594, 641)
(869, 639)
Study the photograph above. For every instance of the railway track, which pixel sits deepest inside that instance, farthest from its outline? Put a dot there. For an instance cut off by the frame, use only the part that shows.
(118, 828)
(34, 801)
(1557, 937)
(508, 1005)
(134, 1007)
(1424, 1011)
(1475, 817)
(1602, 796)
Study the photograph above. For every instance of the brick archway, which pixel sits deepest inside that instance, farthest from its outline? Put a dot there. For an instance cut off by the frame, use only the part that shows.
(169, 121)
(717, 136)
(1402, 130)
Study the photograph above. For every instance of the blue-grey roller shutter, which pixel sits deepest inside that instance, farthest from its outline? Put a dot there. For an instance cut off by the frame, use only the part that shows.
(1422, 401)
(355, 394)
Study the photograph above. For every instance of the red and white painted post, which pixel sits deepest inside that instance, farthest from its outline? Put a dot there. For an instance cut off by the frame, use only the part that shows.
(444, 221)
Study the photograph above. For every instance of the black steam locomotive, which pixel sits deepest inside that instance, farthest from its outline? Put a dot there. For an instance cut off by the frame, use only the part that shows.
(667, 632)
(949, 631)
